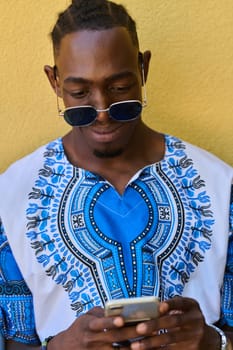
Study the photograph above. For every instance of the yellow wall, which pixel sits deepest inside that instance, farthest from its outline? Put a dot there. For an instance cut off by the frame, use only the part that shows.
(190, 85)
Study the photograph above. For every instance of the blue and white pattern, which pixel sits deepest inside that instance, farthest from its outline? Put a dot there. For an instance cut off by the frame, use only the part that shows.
(16, 318)
(101, 245)
(227, 305)
(78, 242)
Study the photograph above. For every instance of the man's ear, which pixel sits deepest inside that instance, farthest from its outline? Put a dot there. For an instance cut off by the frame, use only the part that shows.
(51, 75)
(144, 61)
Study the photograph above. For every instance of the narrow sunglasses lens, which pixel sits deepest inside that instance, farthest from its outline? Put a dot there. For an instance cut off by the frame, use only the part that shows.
(80, 116)
(125, 111)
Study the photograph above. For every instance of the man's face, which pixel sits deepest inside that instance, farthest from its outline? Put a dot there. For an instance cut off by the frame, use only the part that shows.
(99, 68)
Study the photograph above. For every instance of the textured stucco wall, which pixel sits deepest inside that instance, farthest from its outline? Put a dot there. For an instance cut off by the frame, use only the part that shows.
(190, 85)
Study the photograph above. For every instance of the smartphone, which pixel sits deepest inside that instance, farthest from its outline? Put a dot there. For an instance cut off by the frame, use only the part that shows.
(133, 310)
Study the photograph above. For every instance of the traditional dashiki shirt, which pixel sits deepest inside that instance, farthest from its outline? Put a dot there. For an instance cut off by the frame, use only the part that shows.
(77, 242)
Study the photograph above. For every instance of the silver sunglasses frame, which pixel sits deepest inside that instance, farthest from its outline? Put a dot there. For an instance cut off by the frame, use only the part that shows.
(143, 102)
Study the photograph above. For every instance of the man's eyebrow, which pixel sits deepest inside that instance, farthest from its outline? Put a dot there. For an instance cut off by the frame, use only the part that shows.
(121, 75)
(113, 77)
(76, 80)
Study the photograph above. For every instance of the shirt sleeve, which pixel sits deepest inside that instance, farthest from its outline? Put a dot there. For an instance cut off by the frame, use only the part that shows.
(16, 305)
(227, 291)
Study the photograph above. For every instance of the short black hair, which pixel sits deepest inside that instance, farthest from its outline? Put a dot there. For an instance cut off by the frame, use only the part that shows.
(92, 15)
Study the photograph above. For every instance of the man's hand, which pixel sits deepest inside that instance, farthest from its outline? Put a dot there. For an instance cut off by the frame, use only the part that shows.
(181, 326)
(93, 331)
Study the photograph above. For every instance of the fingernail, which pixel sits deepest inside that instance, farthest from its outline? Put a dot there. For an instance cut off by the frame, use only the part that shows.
(141, 328)
(135, 346)
(118, 322)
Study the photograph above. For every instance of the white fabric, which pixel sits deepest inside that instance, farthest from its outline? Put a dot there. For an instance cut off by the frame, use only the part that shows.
(51, 303)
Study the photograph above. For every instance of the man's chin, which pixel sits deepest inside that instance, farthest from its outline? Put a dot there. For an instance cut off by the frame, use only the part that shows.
(107, 153)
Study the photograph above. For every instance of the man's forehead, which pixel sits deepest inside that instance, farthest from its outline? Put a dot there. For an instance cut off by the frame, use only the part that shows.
(95, 54)
(87, 40)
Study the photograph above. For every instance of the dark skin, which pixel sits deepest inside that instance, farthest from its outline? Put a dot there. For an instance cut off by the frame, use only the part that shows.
(100, 79)
(89, 72)
(181, 317)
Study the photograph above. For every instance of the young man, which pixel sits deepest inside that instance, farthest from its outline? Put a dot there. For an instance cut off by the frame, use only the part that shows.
(113, 209)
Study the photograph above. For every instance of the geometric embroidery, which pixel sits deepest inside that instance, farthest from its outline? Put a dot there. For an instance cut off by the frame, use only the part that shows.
(99, 245)
(78, 221)
(164, 213)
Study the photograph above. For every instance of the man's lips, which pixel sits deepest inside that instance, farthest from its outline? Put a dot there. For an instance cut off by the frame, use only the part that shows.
(106, 134)
(106, 130)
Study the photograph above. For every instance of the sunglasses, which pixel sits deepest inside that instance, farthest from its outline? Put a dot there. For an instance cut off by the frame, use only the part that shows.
(123, 111)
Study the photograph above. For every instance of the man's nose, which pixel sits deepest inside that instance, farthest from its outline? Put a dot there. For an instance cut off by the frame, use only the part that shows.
(102, 104)
(103, 115)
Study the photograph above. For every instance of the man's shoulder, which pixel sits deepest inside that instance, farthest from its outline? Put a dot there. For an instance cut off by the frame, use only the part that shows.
(26, 167)
(208, 159)
(201, 157)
